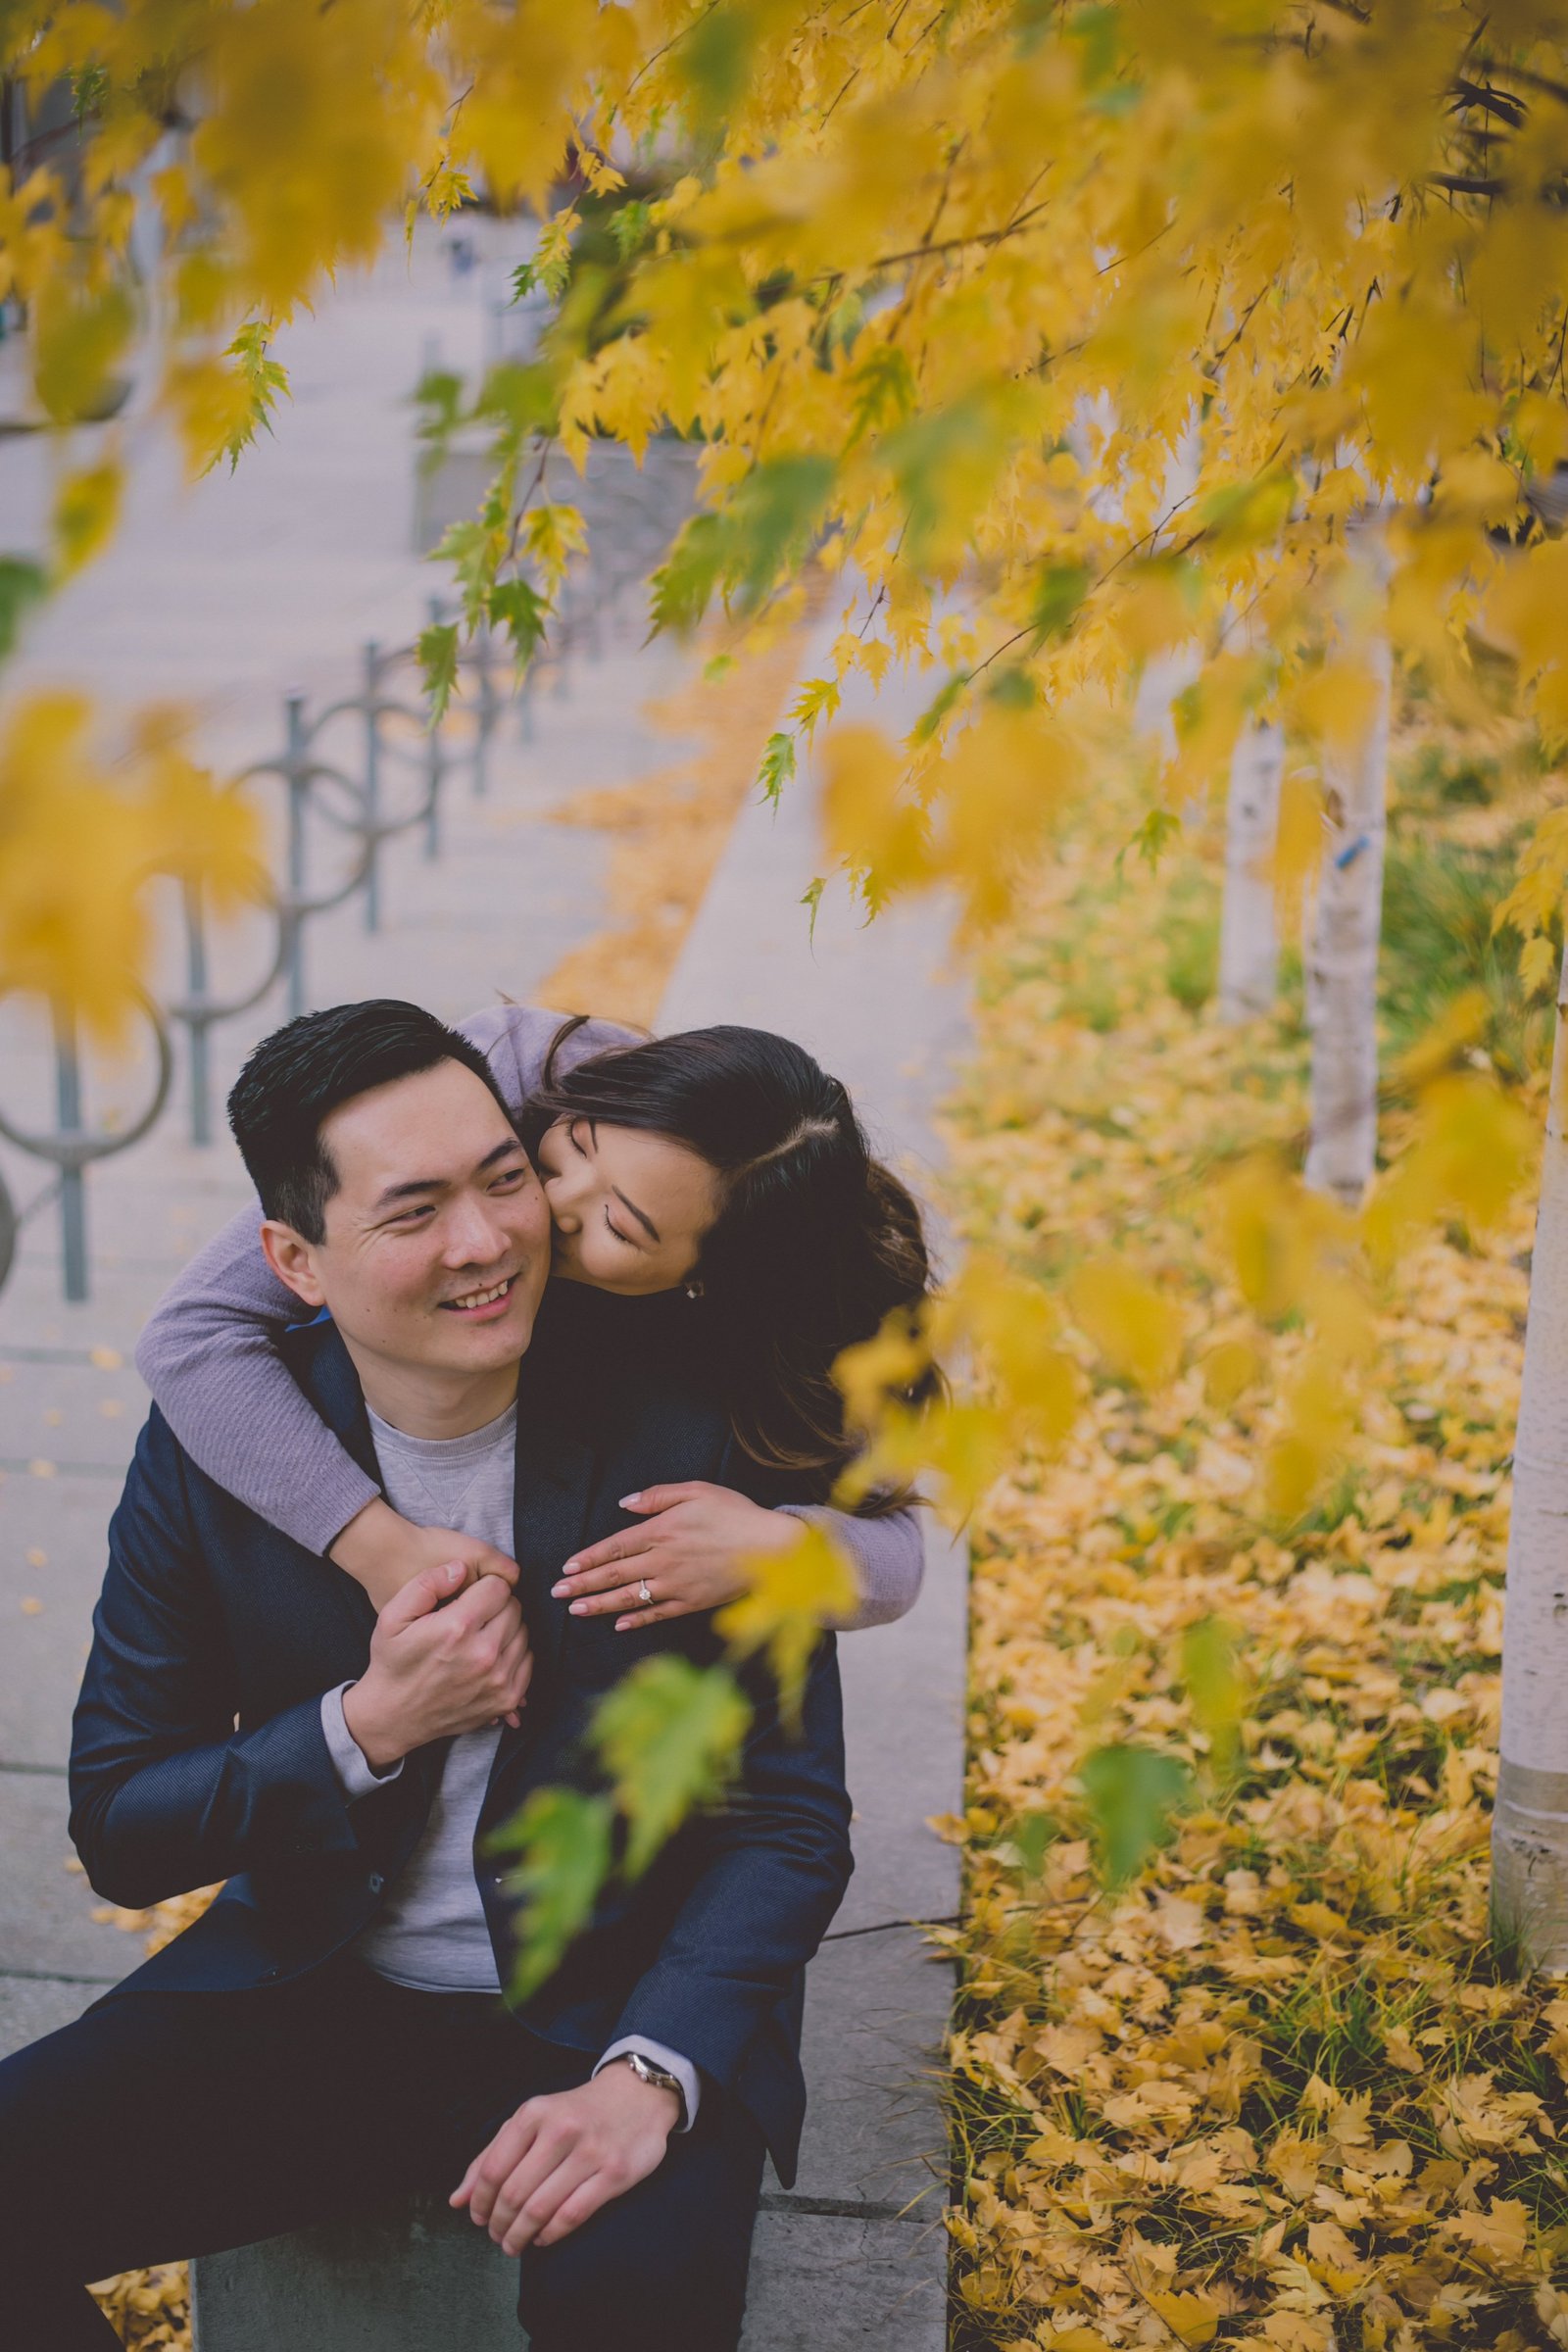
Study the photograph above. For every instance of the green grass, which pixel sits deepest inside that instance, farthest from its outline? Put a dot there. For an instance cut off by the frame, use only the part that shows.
(1439, 902)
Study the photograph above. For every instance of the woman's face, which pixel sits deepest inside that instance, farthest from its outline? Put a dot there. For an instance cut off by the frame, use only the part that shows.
(630, 1209)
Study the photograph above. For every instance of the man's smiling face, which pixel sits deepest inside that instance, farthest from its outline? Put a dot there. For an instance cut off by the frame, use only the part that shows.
(437, 1238)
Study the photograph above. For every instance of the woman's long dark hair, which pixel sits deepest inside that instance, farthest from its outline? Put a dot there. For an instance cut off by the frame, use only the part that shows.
(815, 1242)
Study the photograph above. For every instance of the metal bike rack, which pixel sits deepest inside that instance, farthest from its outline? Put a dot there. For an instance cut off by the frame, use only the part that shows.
(74, 1146)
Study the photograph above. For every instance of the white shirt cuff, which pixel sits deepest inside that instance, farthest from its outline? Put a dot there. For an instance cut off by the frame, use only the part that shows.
(672, 2063)
(355, 1775)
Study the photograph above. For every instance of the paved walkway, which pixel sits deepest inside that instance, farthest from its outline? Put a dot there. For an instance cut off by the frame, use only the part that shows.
(856, 2254)
(224, 599)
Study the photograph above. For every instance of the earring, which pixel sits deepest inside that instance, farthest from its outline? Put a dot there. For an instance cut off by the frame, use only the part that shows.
(694, 1290)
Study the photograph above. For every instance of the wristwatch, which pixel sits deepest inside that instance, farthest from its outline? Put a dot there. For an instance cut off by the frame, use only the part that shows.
(646, 2072)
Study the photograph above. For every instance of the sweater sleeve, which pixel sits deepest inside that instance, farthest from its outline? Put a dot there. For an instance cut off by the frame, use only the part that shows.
(210, 1356)
(889, 1556)
(516, 1040)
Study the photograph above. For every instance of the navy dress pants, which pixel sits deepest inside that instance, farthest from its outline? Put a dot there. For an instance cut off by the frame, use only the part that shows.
(164, 2125)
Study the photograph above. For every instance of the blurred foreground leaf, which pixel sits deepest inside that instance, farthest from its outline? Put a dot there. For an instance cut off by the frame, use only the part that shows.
(1134, 1794)
(669, 1736)
(563, 1839)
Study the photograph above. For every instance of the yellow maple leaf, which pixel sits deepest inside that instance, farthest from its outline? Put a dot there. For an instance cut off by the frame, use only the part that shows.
(1136, 1330)
(870, 823)
(791, 1595)
(1191, 2316)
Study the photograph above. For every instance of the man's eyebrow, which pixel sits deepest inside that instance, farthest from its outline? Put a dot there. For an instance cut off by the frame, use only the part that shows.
(416, 1185)
(407, 1190)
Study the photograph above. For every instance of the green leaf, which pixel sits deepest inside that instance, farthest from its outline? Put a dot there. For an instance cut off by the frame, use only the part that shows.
(1097, 32)
(438, 664)
(438, 401)
(1012, 687)
(1214, 1686)
(778, 766)
(549, 268)
(522, 613)
(936, 710)
(631, 224)
(1060, 591)
(669, 1734)
(565, 1840)
(1029, 1838)
(844, 321)
(23, 584)
(523, 394)
(1149, 840)
(714, 62)
(1133, 1794)
(885, 392)
(90, 92)
(771, 518)
(811, 896)
(474, 550)
(684, 583)
(945, 462)
(766, 527)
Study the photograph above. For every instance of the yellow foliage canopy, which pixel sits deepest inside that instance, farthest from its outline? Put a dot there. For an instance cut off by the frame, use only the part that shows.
(1121, 318)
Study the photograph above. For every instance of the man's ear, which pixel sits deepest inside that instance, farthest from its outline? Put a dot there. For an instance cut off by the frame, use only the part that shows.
(292, 1259)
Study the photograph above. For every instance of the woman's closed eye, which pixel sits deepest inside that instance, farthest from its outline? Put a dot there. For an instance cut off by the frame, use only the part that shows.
(611, 1225)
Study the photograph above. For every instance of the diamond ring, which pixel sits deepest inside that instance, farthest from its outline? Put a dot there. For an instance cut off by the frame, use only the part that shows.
(644, 1594)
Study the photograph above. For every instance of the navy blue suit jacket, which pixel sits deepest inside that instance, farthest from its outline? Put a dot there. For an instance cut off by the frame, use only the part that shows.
(198, 1752)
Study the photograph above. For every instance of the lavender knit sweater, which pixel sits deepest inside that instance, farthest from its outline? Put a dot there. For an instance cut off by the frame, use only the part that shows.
(210, 1356)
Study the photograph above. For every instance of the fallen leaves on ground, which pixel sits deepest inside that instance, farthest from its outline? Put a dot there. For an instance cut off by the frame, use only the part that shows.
(1277, 2093)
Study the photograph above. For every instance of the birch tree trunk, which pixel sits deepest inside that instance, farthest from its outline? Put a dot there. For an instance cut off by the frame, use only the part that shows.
(1342, 975)
(1248, 938)
(1529, 1821)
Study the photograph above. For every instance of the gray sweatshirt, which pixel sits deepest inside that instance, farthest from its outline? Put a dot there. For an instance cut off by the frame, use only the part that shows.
(208, 1354)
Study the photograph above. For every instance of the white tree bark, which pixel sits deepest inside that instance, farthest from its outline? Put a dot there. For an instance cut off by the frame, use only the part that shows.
(1248, 938)
(1529, 1821)
(1342, 973)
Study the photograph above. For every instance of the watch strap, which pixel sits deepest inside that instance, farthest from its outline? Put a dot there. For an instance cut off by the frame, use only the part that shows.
(646, 2072)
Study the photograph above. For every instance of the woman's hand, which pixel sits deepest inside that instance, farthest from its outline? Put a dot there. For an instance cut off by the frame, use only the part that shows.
(384, 1551)
(689, 1550)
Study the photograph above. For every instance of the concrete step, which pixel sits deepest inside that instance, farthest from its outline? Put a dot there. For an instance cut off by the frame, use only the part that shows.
(47, 1928)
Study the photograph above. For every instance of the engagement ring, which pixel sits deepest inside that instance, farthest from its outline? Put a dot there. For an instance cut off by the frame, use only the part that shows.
(644, 1594)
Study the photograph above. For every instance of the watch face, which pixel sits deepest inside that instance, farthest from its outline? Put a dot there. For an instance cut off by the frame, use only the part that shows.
(648, 2072)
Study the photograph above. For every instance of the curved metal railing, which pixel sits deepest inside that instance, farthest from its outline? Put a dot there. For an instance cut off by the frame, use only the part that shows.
(395, 782)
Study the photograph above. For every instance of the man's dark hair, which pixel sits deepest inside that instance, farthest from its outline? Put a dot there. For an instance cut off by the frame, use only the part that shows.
(302, 1074)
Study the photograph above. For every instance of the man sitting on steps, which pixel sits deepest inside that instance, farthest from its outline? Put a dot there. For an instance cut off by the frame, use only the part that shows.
(330, 2032)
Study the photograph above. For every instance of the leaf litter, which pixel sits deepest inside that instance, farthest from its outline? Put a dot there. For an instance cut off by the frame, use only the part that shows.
(1234, 2060)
